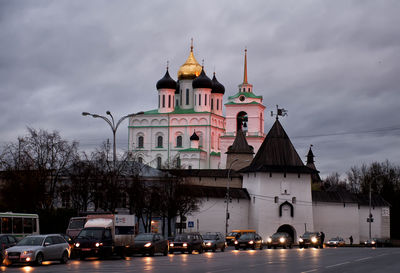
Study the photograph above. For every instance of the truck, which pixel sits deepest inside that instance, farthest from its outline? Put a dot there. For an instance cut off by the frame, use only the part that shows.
(105, 235)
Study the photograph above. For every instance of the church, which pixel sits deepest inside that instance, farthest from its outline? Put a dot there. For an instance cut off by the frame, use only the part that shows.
(246, 179)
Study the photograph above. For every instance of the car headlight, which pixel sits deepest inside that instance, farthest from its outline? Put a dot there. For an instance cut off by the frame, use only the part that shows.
(28, 252)
(171, 245)
(373, 242)
(184, 245)
(5, 252)
(251, 242)
(208, 244)
(300, 240)
(147, 245)
(97, 244)
(314, 239)
(282, 240)
(236, 242)
(269, 240)
(77, 244)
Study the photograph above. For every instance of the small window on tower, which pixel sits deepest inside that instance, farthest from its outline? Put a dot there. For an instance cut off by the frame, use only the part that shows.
(158, 162)
(163, 101)
(199, 99)
(169, 101)
(159, 142)
(187, 96)
(140, 142)
(205, 100)
(140, 160)
(217, 104)
(179, 141)
(212, 104)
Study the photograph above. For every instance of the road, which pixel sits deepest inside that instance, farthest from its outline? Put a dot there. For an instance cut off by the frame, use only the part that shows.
(268, 260)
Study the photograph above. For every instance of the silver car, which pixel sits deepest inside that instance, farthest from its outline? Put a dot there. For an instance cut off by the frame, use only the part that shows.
(39, 248)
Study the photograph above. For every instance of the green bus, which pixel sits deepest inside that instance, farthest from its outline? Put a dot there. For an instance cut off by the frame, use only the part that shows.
(19, 224)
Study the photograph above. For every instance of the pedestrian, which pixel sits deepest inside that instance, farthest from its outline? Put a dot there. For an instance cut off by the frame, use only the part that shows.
(322, 238)
(351, 240)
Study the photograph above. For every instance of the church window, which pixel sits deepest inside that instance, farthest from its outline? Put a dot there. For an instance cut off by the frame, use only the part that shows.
(178, 162)
(217, 104)
(140, 160)
(190, 167)
(195, 100)
(159, 101)
(159, 142)
(212, 104)
(169, 101)
(205, 100)
(163, 101)
(140, 141)
(199, 99)
(293, 200)
(187, 96)
(276, 199)
(181, 96)
(158, 162)
(179, 141)
(248, 89)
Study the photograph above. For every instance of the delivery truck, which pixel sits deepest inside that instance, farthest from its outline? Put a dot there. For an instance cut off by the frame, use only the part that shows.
(105, 235)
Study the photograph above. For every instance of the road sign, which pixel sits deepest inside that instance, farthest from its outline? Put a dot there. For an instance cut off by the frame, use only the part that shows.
(190, 224)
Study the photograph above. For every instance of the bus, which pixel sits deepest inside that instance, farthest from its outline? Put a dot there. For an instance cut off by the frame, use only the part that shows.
(19, 224)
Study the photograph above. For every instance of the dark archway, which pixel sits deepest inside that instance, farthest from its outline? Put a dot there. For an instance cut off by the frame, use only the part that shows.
(289, 230)
(241, 120)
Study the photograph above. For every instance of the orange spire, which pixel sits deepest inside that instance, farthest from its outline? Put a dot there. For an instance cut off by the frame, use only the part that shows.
(245, 67)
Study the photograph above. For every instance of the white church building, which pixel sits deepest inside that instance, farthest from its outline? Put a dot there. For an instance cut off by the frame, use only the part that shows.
(270, 186)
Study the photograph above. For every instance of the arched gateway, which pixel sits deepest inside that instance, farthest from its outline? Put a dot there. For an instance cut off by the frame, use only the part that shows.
(289, 230)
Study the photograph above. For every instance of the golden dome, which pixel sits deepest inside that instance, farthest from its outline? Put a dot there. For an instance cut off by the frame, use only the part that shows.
(190, 69)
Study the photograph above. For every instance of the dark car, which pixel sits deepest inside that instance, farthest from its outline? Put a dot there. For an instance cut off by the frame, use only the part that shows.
(214, 241)
(311, 239)
(93, 241)
(377, 242)
(6, 241)
(280, 239)
(249, 240)
(187, 242)
(150, 243)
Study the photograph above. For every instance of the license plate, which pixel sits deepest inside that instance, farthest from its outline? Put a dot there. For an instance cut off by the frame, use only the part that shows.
(242, 244)
(13, 257)
(86, 249)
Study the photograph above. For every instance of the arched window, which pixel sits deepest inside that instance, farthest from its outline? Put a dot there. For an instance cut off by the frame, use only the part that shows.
(158, 162)
(159, 142)
(163, 101)
(179, 141)
(199, 99)
(169, 101)
(205, 100)
(217, 104)
(140, 160)
(178, 162)
(241, 118)
(212, 104)
(140, 142)
(159, 101)
(187, 96)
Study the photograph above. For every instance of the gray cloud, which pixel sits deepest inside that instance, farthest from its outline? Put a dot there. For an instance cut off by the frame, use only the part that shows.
(333, 64)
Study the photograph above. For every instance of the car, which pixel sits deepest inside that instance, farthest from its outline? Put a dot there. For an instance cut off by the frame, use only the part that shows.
(377, 242)
(280, 239)
(6, 241)
(150, 243)
(235, 234)
(214, 241)
(93, 242)
(39, 248)
(187, 242)
(336, 241)
(311, 239)
(249, 240)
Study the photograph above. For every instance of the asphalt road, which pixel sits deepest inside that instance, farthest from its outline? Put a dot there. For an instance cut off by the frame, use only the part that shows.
(268, 260)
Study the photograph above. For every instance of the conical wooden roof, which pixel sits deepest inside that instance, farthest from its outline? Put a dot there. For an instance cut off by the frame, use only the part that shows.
(240, 145)
(277, 154)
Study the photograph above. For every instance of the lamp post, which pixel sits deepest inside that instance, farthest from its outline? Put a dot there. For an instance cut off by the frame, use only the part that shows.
(113, 126)
(228, 196)
(370, 218)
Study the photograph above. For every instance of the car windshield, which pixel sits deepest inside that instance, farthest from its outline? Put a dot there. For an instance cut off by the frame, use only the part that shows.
(31, 241)
(233, 234)
(209, 237)
(91, 233)
(308, 235)
(247, 236)
(278, 235)
(181, 238)
(335, 239)
(144, 237)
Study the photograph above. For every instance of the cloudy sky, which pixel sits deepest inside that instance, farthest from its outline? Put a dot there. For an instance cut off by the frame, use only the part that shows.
(334, 65)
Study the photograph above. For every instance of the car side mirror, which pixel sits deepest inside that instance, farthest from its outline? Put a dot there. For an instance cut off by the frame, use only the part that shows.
(46, 243)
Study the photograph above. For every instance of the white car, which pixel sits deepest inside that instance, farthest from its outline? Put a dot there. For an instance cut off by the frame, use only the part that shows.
(39, 248)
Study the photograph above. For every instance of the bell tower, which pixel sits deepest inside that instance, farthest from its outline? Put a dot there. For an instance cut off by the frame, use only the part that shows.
(244, 111)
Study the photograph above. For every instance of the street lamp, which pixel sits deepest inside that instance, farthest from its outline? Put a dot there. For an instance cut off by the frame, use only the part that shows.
(370, 219)
(227, 195)
(113, 126)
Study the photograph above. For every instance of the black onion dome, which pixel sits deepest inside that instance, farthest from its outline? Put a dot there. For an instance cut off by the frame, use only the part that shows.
(202, 81)
(166, 82)
(217, 87)
(194, 137)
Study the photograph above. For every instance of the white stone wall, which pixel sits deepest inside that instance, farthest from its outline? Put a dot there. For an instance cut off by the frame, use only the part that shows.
(211, 215)
(264, 212)
(380, 227)
(337, 219)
